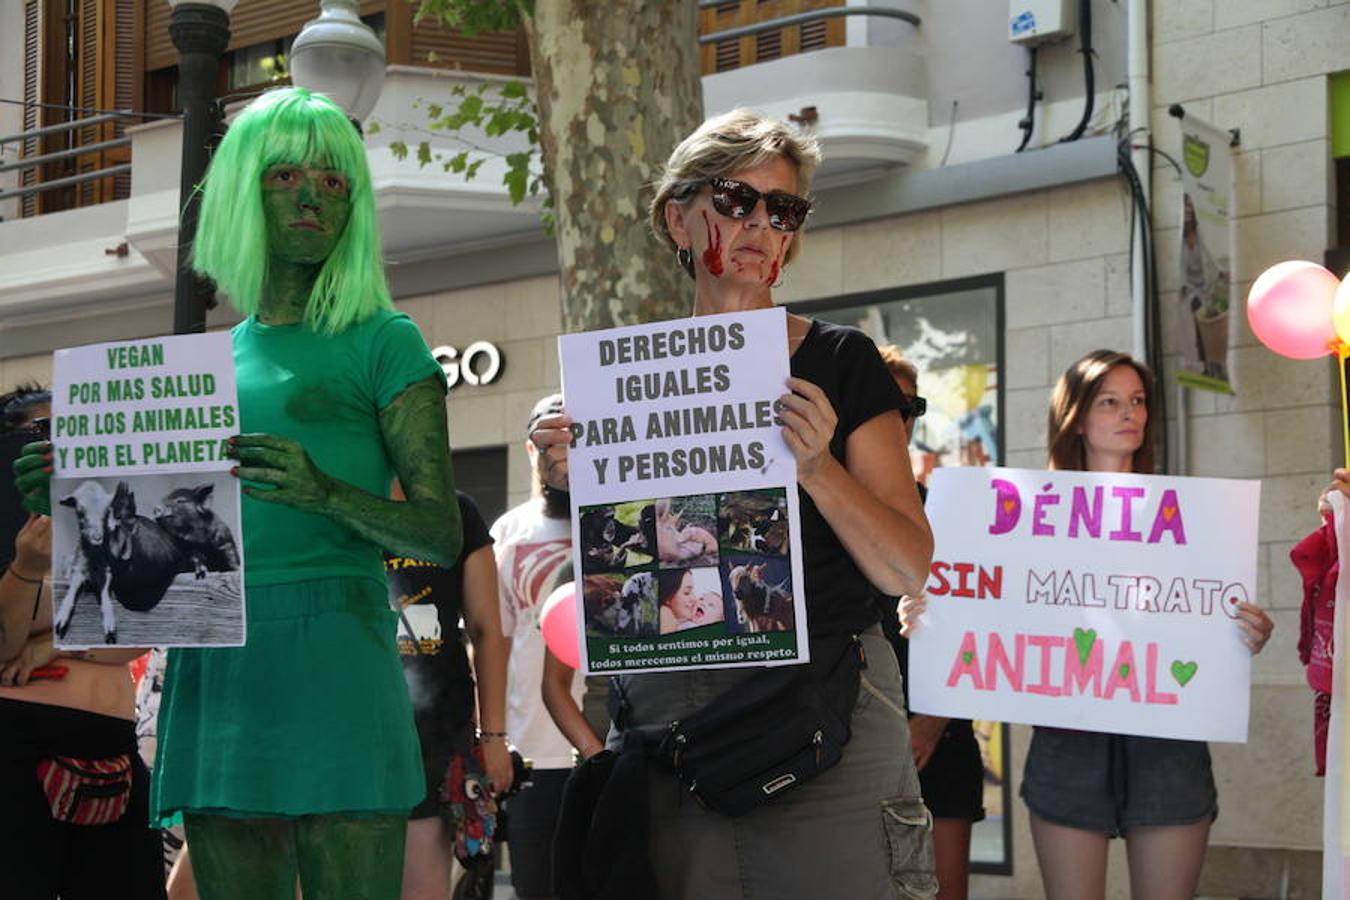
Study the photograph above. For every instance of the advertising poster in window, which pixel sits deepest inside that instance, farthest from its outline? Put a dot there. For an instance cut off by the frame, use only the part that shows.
(684, 495)
(146, 538)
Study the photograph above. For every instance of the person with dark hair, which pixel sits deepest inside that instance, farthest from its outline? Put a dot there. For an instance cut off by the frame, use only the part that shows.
(62, 734)
(1084, 788)
(675, 591)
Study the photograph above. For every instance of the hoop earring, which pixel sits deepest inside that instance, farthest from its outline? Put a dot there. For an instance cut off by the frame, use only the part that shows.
(685, 257)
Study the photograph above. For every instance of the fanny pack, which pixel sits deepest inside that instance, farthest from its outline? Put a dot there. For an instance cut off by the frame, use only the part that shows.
(770, 733)
(86, 791)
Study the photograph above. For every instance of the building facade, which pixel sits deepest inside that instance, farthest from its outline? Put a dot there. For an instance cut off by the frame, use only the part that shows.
(995, 269)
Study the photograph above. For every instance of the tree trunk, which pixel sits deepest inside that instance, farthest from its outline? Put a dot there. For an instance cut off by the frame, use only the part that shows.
(618, 85)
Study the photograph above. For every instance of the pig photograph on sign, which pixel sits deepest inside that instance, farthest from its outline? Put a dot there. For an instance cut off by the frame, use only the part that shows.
(684, 493)
(147, 546)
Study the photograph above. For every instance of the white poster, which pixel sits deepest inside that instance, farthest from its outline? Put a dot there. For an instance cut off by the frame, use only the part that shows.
(146, 539)
(684, 495)
(1095, 601)
(1207, 289)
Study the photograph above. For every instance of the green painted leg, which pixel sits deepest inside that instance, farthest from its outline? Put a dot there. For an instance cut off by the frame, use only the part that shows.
(351, 857)
(242, 859)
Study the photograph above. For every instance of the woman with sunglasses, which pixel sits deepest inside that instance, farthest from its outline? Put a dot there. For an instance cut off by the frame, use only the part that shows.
(731, 207)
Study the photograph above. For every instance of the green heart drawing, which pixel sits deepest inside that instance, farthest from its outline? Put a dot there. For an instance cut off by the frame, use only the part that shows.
(1084, 638)
(967, 657)
(1124, 670)
(1184, 671)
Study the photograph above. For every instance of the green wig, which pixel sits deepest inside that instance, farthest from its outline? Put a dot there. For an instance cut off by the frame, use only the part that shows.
(290, 125)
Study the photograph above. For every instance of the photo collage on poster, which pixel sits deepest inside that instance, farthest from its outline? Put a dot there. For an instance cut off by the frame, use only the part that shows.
(704, 565)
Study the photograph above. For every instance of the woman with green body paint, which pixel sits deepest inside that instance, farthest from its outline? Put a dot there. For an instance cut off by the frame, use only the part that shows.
(295, 756)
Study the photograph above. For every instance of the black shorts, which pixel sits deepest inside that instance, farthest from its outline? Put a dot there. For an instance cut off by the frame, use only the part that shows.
(1114, 782)
(436, 753)
(953, 780)
(532, 817)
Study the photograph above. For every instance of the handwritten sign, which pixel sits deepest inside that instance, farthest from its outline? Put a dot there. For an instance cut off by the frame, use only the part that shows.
(146, 530)
(684, 495)
(1103, 602)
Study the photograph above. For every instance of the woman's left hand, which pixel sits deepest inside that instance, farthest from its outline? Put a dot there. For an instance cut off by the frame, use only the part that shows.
(35, 654)
(808, 425)
(497, 763)
(284, 464)
(1258, 626)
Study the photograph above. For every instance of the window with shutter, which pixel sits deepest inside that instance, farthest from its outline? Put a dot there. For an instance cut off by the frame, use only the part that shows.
(737, 53)
(32, 93)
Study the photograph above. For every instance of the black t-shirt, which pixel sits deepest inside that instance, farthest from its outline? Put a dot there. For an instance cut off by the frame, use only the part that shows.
(430, 601)
(845, 364)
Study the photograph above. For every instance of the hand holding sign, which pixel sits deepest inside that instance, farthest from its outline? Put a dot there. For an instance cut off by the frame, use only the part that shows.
(33, 477)
(282, 463)
(808, 425)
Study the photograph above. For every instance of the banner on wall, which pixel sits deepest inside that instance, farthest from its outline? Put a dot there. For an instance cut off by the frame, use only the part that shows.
(1094, 601)
(146, 536)
(1208, 292)
(685, 523)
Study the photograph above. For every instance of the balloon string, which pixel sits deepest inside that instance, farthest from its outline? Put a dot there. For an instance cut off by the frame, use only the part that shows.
(1342, 359)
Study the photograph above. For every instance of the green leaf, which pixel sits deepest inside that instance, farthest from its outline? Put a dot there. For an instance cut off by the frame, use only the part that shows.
(434, 110)
(471, 106)
(423, 153)
(373, 127)
(515, 180)
(399, 149)
(472, 170)
(514, 90)
(459, 161)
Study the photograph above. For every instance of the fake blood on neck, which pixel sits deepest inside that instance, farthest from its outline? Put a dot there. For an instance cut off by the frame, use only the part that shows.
(712, 257)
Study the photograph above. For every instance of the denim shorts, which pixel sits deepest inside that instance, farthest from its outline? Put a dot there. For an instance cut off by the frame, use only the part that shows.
(1112, 782)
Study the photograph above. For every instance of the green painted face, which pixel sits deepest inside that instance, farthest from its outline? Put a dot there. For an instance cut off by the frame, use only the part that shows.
(306, 209)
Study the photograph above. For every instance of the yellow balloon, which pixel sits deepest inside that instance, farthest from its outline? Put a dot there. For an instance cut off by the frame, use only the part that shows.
(1340, 310)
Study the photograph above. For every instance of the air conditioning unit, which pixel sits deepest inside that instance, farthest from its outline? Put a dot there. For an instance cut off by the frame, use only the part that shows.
(1032, 22)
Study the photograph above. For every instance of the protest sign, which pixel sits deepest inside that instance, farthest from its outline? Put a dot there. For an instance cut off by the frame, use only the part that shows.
(145, 512)
(686, 537)
(1096, 601)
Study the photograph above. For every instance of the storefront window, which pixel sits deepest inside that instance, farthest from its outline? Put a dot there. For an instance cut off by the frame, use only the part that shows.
(953, 333)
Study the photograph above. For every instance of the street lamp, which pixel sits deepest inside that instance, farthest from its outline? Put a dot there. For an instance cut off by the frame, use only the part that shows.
(201, 31)
(339, 56)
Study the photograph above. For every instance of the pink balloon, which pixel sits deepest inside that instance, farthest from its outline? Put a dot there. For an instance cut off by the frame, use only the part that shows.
(1289, 309)
(558, 621)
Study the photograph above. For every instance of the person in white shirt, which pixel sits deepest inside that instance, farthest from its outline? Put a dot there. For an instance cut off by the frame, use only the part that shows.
(533, 544)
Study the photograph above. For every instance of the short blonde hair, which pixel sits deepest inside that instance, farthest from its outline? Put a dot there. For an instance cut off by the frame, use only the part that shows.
(721, 147)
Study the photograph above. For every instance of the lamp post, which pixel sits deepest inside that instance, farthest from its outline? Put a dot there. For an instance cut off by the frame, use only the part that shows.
(339, 56)
(201, 31)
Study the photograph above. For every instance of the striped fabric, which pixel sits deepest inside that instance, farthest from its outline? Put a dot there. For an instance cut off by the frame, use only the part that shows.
(86, 791)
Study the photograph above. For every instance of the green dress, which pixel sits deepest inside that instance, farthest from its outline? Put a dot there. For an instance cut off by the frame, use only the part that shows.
(312, 714)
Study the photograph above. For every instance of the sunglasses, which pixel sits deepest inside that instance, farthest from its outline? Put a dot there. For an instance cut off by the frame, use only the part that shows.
(912, 407)
(737, 200)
